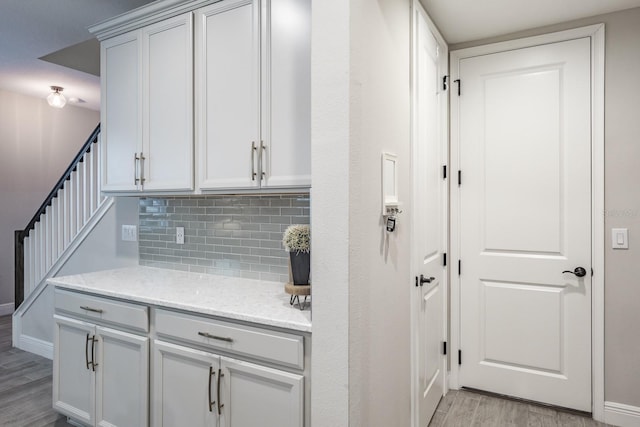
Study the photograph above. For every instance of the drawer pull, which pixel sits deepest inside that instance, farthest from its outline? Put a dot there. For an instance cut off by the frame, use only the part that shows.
(95, 310)
(215, 337)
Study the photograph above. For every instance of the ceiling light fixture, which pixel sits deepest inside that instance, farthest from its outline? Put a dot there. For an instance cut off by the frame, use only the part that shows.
(55, 98)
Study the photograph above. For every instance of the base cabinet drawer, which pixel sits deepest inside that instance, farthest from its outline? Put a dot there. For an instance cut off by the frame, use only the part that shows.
(198, 388)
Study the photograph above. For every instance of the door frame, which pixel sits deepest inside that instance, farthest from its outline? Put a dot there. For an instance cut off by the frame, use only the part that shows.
(596, 34)
(417, 8)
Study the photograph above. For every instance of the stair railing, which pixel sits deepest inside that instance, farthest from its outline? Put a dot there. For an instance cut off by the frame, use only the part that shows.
(62, 215)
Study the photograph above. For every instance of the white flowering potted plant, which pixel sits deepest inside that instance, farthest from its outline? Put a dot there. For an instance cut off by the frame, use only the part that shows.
(297, 241)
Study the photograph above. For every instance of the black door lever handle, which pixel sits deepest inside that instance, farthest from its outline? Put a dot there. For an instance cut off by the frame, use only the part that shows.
(579, 272)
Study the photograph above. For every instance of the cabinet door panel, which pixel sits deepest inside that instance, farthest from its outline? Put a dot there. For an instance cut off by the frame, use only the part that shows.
(73, 382)
(168, 104)
(256, 395)
(122, 378)
(121, 111)
(286, 93)
(181, 386)
(227, 58)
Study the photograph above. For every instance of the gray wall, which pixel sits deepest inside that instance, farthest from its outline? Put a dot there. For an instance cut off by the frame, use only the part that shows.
(622, 198)
(37, 144)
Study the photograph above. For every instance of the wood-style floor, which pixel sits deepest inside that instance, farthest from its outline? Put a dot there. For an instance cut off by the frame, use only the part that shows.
(25, 386)
(467, 409)
(25, 399)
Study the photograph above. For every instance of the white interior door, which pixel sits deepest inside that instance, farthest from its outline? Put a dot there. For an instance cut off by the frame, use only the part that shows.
(525, 218)
(429, 218)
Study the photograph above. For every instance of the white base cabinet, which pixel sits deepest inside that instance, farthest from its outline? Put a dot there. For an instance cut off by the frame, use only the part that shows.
(197, 388)
(100, 375)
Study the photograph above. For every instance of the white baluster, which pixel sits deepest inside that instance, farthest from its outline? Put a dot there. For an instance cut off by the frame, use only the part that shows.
(60, 222)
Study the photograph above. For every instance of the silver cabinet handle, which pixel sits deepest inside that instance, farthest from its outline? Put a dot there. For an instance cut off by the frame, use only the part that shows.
(95, 310)
(215, 337)
(263, 148)
(135, 169)
(142, 159)
(253, 160)
(93, 353)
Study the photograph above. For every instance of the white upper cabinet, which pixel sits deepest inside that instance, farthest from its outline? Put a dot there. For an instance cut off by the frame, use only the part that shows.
(121, 109)
(286, 93)
(253, 94)
(147, 108)
(227, 94)
(240, 74)
(167, 131)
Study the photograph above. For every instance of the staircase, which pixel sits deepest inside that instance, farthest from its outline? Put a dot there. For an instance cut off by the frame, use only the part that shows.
(66, 217)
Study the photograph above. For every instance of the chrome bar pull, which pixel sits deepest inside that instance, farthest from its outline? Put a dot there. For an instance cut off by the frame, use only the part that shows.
(142, 159)
(253, 160)
(263, 149)
(135, 169)
(215, 337)
(95, 310)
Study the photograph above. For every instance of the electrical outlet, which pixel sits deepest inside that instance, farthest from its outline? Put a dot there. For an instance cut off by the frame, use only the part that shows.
(129, 233)
(180, 235)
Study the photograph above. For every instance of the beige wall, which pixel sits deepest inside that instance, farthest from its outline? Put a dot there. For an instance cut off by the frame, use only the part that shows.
(622, 197)
(361, 312)
(37, 143)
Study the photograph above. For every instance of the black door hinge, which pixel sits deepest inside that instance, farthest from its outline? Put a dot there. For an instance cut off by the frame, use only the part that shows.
(444, 82)
(459, 357)
(444, 171)
(459, 178)
(444, 259)
(459, 85)
(444, 348)
(459, 267)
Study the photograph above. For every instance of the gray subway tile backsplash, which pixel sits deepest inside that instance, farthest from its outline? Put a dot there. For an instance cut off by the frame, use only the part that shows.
(239, 236)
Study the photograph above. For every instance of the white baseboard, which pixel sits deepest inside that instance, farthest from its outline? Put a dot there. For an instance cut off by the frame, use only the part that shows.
(622, 415)
(6, 309)
(35, 345)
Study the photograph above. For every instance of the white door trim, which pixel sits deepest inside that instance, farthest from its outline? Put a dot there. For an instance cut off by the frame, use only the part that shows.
(444, 63)
(596, 33)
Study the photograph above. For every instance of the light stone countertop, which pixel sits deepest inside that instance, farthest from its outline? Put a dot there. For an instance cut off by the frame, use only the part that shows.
(234, 298)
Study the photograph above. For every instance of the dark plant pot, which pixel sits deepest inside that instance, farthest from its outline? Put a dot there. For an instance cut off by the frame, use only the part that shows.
(300, 267)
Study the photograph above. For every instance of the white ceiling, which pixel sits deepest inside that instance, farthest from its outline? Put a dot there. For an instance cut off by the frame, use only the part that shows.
(466, 20)
(30, 29)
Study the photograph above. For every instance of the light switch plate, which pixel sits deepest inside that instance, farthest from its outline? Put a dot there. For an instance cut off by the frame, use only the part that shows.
(180, 235)
(620, 238)
(129, 233)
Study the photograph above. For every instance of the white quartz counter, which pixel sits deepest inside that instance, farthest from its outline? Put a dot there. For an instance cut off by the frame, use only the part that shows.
(248, 300)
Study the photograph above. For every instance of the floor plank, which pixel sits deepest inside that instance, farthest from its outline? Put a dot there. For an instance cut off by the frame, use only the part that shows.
(25, 386)
(471, 409)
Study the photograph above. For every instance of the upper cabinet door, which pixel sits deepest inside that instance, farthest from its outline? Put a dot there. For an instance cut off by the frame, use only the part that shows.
(227, 94)
(121, 111)
(286, 93)
(168, 104)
